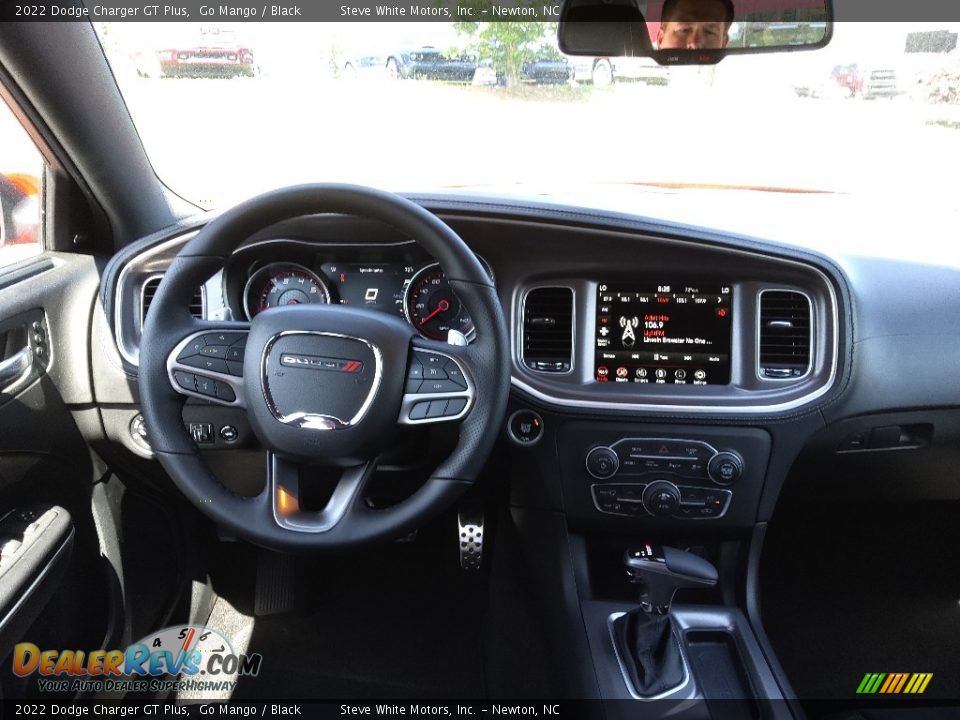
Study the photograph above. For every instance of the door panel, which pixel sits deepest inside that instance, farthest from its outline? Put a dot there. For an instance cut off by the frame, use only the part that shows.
(55, 583)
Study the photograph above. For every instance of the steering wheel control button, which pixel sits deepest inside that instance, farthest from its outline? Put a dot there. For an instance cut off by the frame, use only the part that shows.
(224, 392)
(725, 468)
(186, 380)
(224, 338)
(602, 463)
(235, 368)
(206, 363)
(661, 498)
(455, 406)
(438, 408)
(228, 433)
(194, 348)
(415, 371)
(433, 372)
(206, 386)
(439, 386)
(455, 375)
(525, 427)
(419, 411)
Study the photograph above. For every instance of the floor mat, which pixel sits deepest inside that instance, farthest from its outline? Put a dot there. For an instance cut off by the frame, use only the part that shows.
(402, 622)
(847, 591)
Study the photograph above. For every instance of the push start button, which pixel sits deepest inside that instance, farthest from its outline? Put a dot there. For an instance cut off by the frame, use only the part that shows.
(525, 427)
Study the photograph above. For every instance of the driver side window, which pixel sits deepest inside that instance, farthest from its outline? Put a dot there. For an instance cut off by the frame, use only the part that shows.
(21, 170)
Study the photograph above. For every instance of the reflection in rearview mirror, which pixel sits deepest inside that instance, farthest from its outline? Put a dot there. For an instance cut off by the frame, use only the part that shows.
(692, 31)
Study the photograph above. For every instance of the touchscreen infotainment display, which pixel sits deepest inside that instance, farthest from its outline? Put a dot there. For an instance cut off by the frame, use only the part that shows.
(664, 334)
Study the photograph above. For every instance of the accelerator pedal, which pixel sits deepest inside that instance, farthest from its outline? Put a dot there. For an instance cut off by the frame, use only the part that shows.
(470, 537)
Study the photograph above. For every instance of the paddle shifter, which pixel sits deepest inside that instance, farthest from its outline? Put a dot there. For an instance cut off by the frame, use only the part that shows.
(646, 644)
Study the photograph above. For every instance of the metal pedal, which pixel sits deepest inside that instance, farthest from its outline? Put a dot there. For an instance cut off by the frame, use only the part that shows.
(276, 586)
(470, 537)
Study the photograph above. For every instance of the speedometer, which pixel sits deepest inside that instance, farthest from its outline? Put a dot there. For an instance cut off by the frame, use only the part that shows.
(431, 306)
(281, 284)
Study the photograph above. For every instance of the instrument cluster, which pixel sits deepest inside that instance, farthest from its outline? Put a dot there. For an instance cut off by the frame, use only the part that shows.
(409, 284)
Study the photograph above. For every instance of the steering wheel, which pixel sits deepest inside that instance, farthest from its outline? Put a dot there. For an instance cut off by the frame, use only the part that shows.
(323, 385)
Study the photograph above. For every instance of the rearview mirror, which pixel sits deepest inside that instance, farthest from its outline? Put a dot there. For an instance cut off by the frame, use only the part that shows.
(692, 32)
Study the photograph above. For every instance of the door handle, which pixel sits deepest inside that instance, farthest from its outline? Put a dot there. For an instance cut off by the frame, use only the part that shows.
(15, 369)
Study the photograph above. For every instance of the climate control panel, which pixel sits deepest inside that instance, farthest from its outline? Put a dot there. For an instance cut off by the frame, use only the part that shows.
(670, 476)
(624, 476)
(660, 498)
(692, 459)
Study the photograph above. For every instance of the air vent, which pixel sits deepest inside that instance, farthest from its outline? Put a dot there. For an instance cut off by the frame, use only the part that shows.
(784, 334)
(548, 329)
(150, 289)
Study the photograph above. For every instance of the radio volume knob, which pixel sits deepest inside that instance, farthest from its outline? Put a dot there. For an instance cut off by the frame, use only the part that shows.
(602, 463)
(725, 468)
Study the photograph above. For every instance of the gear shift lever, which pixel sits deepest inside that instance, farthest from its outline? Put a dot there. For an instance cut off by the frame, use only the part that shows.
(661, 571)
(648, 649)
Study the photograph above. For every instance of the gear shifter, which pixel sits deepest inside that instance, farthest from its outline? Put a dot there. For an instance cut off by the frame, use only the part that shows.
(661, 571)
(644, 638)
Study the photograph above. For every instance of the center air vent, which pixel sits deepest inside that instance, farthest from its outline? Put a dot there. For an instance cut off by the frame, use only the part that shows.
(784, 334)
(150, 289)
(548, 329)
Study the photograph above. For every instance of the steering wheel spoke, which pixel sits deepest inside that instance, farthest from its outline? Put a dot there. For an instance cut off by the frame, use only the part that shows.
(284, 486)
(440, 385)
(208, 363)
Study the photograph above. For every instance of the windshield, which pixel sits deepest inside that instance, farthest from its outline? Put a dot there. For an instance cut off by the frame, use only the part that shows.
(227, 111)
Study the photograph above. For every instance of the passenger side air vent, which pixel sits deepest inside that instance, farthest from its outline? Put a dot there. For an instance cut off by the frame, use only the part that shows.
(784, 334)
(548, 329)
(150, 289)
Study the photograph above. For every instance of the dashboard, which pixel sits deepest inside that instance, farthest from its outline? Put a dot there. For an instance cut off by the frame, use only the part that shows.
(601, 318)
(646, 363)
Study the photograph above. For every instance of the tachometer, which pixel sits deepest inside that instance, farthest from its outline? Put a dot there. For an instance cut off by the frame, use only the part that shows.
(281, 284)
(431, 306)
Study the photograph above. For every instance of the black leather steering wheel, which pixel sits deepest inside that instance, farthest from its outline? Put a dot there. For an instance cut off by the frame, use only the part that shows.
(322, 384)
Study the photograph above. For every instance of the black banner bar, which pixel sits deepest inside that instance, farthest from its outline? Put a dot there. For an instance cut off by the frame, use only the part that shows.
(393, 11)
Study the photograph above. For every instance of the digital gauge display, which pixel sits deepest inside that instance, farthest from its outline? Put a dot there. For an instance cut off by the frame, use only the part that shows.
(663, 334)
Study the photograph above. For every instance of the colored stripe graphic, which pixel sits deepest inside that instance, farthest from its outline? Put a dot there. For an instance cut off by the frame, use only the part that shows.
(894, 683)
(903, 681)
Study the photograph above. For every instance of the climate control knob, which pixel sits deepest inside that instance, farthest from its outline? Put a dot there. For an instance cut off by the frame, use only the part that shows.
(602, 463)
(661, 498)
(725, 468)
